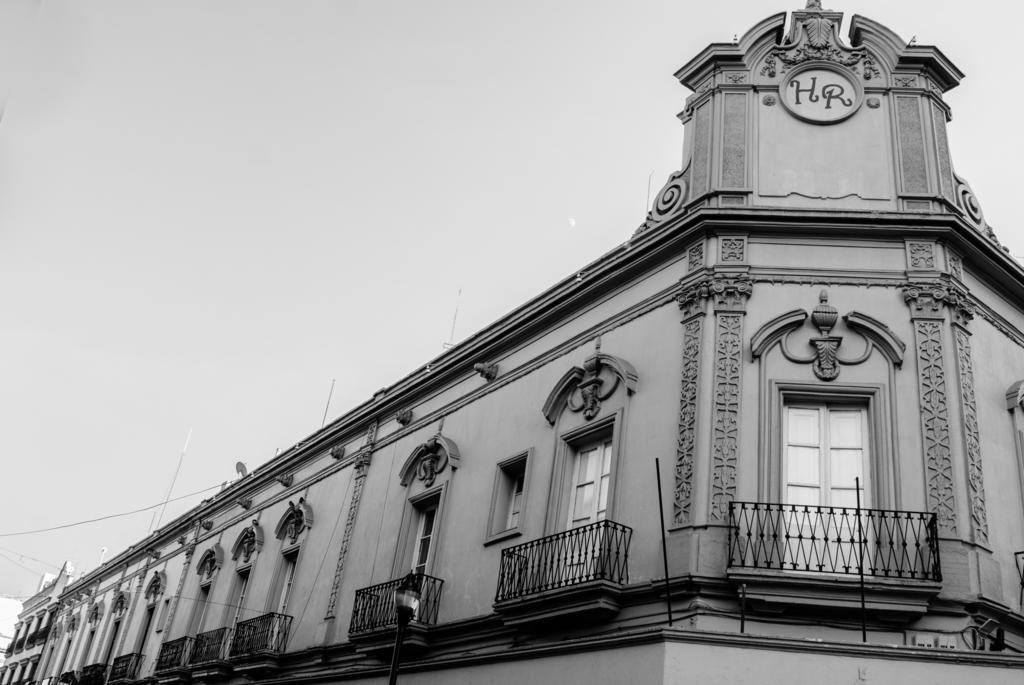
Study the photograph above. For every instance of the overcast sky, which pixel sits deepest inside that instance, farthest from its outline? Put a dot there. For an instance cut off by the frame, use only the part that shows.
(208, 210)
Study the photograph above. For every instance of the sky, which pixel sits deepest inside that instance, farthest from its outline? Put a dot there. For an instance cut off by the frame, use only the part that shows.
(209, 210)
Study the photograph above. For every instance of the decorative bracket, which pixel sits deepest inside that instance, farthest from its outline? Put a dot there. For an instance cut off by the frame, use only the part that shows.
(285, 480)
(337, 452)
(404, 417)
(244, 502)
(488, 371)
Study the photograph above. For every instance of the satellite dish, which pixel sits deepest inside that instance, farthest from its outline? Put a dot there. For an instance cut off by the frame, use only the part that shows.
(242, 471)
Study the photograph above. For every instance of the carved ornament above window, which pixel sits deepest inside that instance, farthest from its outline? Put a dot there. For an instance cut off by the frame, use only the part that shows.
(429, 460)
(210, 562)
(826, 361)
(296, 519)
(249, 541)
(120, 603)
(156, 586)
(584, 389)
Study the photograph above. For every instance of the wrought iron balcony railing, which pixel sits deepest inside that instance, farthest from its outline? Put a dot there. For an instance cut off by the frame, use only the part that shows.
(598, 551)
(69, 677)
(375, 605)
(19, 644)
(266, 633)
(125, 667)
(796, 537)
(1018, 558)
(174, 654)
(208, 646)
(93, 674)
(10, 649)
(42, 634)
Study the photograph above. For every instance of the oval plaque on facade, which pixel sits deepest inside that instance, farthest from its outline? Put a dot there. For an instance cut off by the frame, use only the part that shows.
(821, 93)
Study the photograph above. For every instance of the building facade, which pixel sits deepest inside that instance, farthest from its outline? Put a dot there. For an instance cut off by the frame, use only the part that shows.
(28, 652)
(814, 335)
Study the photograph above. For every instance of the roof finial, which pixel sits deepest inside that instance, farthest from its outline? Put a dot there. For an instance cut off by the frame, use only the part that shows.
(813, 5)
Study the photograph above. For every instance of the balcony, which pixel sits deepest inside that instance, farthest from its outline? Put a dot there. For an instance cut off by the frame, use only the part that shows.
(19, 644)
(258, 642)
(125, 667)
(576, 574)
(93, 674)
(174, 655)
(69, 677)
(208, 656)
(814, 557)
(374, 620)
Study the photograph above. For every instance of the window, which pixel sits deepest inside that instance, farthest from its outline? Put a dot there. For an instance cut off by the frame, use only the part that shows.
(236, 603)
(427, 515)
(824, 455)
(591, 476)
(195, 624)
(825, 452)
(508, 499)
(147, 623)
(286, 576)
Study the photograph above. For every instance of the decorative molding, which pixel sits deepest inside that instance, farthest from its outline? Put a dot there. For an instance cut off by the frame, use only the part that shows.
(726, 408)
(296, 519)
(935, 422)
(211, 560)
(207, 524)
(956, 265)
(920, 255)
(362, 466)
(972, 438)
(153, 553)
(682, 507)
(488, 371)
(732, 249)
(404, 417)
(287, 479)
(670, 200)
(929, 299)
(814, 35)
(428, 460)
(244, 502)
(248, 542)
(769, 100)
(695, 257)
(968, 203)
(904, 81)
(826, 361)
(156, 587)
(584, 389)
(182, 539)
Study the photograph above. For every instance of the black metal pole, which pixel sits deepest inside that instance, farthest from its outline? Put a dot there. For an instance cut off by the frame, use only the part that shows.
(743, 607)
(664, 544)
(395, 655)
(860, 545)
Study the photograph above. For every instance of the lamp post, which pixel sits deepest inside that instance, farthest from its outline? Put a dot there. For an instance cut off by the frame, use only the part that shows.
(407, 601)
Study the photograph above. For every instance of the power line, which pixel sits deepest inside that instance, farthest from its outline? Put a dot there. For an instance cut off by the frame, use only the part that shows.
(25, 556)
(30, 570)
(109, 516)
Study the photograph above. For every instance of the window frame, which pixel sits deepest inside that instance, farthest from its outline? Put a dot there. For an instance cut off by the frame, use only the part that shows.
(825, 446)
(568, 446)
(506, 474)
(879, 412)
(410, 527)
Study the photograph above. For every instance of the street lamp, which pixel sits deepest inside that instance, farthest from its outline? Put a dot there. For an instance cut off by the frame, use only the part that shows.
(407, 601)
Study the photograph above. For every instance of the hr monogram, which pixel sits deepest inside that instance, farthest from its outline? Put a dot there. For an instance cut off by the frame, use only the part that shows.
(829, 91)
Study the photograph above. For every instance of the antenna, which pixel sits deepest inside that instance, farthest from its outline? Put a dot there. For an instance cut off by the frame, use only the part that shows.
(177, 470)
(329, 394)
(647, 205)
(103, 553)
(240, 468)
(451, 338)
